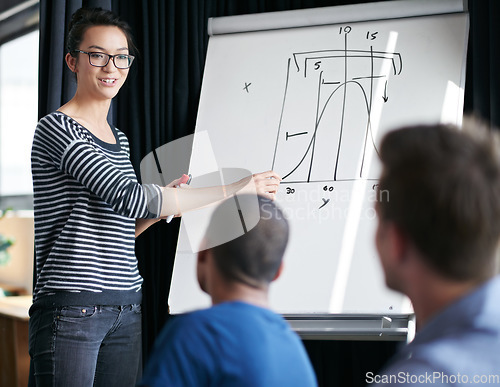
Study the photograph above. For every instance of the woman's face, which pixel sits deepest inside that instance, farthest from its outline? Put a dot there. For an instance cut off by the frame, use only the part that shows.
(100, 83)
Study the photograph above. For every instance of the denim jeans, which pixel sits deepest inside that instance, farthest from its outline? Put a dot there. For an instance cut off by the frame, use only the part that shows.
(86, 346)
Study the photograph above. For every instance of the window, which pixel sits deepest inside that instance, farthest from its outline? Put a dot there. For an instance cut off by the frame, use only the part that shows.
(18, 114)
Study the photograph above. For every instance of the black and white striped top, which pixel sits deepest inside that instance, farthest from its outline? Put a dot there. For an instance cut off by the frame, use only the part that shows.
(86, 199)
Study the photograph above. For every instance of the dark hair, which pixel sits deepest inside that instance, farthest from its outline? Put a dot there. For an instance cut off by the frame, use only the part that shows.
(254, 257)
(85, 18)
(443, 188)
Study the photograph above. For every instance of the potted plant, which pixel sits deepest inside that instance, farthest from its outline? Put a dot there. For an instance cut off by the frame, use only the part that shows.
(5, 243)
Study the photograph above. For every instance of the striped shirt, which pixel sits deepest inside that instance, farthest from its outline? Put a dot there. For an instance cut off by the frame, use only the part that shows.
(86, 199)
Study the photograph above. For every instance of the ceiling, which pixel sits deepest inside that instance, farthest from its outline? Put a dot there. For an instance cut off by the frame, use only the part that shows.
(17, 18)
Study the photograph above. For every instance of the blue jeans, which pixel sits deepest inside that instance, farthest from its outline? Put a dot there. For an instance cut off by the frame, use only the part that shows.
(86, 346)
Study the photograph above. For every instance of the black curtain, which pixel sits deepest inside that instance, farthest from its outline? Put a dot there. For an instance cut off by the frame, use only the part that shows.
(482, 84)
(159, 104)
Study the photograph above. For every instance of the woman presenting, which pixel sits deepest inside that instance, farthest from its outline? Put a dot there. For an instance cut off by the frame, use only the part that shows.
(85, 321)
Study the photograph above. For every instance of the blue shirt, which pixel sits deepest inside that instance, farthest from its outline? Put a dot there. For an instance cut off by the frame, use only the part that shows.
(460, 346)
(230, 344)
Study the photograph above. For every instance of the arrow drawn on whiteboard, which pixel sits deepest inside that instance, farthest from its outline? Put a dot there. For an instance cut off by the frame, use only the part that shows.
(325, 202)
(385, 97)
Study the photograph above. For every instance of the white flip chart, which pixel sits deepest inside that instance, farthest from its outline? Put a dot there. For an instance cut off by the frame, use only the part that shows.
(312, 103)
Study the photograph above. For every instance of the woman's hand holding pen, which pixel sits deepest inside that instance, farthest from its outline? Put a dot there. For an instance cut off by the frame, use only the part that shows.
(267, 184)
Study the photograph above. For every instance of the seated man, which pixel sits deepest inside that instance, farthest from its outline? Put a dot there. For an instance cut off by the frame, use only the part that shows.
(238, 341)
(437, 238)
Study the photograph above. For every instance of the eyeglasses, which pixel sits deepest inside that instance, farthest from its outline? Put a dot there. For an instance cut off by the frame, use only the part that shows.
(100, 59)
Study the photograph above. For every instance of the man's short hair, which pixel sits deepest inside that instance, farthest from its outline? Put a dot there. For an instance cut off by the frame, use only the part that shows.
(254, 257)
(443, 188)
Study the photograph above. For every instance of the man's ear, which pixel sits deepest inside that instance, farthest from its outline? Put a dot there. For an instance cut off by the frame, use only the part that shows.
(201, 270)
(202, 256)
(279, 271)
(399, 242)
(71, 62)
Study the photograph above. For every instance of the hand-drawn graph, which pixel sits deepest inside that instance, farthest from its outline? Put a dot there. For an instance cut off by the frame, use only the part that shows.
(327, 112)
